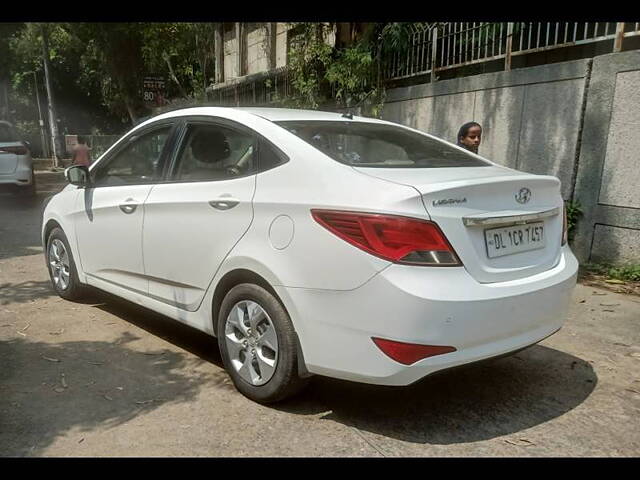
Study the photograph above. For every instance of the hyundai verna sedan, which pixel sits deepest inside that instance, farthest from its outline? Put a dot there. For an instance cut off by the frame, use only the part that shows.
(316, 243)
(16, 164)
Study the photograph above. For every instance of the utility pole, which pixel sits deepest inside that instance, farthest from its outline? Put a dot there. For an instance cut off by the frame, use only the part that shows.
(52, 112)
(45, 149)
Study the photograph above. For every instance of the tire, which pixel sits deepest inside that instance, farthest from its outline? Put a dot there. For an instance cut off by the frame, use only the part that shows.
(271, 375)
(67, 286)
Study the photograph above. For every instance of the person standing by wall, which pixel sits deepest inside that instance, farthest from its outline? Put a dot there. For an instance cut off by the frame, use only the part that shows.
(81, 153)
(470, 136)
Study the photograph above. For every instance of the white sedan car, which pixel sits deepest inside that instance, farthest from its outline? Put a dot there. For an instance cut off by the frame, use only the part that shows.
(316, 243)
(16, 164)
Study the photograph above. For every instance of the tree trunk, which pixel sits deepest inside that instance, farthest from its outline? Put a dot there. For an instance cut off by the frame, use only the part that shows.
(173, 75)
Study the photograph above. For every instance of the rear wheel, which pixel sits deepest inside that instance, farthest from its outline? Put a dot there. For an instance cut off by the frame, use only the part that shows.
(62, 268)
(258, 344)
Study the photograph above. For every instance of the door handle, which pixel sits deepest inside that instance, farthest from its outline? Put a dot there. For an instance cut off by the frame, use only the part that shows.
(129, 207)
(223, 204)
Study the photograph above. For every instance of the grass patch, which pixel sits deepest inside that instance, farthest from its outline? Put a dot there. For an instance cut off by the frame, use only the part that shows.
(625, 273)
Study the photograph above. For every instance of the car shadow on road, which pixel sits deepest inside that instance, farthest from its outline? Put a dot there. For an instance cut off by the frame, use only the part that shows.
(24, 292)
(472, 403)
(188, 338)
(468, 404)
(53, 391)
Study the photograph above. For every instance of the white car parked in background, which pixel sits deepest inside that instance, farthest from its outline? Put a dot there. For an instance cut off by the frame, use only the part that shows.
(16, 165)
(317, 243)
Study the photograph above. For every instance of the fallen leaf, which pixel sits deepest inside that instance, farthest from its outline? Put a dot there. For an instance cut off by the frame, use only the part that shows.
(613, 280)
(50, 359)
(81, 440)
(582, 301)
(521, 442)
(107, 397)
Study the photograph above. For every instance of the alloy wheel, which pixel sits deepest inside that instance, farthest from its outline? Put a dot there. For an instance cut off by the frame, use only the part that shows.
(59, 263)
(251, 342)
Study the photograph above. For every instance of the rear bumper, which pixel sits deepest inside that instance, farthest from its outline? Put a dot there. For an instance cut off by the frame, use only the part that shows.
(21, 177)
(432, 306)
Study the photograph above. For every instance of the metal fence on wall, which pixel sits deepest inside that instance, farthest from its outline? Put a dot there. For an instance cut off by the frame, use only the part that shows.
(259, 89)
(443, 46)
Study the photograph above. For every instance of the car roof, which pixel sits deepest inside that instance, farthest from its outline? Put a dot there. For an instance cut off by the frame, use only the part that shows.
(271, 114)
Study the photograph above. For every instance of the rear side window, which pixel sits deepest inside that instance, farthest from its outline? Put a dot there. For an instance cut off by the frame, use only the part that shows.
(7, 134)
(361, 144)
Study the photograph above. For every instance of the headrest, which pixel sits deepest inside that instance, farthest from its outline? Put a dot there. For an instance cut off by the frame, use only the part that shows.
(209, 146)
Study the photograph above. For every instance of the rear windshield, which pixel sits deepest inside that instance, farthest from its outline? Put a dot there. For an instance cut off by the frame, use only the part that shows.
(361, 144)
(7, 134)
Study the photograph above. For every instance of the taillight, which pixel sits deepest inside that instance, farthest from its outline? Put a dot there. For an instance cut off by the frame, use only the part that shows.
(565, 233)
(408, 353)
(394, 238)
(19, 150)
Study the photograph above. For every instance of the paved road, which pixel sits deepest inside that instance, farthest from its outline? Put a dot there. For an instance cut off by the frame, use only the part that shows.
(107, 378)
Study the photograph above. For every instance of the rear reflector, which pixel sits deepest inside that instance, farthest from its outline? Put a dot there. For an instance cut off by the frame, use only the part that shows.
(14, 150)
(397, 239)
(408, 353)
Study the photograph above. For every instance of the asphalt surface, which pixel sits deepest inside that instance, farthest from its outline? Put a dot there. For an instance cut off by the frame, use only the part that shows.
(107, 378)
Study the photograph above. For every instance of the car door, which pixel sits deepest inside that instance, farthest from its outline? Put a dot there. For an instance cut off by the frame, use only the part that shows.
(109, 214)
(193, 220)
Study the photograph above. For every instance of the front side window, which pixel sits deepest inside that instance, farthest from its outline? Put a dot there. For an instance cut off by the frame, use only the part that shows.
(138, 163)
(362, 144)
(213, 152)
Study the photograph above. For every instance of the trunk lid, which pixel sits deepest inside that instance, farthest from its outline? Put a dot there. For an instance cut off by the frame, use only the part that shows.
(468, 202)
(8, 161)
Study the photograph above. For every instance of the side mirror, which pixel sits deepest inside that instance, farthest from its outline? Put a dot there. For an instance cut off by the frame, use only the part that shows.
(77, 175)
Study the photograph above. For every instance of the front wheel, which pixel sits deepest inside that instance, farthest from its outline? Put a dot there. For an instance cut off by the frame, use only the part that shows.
(258, 344)
(62, 268)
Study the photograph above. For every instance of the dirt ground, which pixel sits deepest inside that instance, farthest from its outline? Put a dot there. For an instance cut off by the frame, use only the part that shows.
(107, 378)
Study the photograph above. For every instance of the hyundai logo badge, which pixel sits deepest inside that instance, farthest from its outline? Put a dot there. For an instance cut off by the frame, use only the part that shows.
(523, 196)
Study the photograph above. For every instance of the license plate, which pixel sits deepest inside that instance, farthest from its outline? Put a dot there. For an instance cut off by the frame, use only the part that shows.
(516, 239)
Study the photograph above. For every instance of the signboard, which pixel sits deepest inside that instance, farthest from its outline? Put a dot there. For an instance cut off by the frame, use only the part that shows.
(153, 89)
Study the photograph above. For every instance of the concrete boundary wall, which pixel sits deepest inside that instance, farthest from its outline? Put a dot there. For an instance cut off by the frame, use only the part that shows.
(554, 120)
(608, 179)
